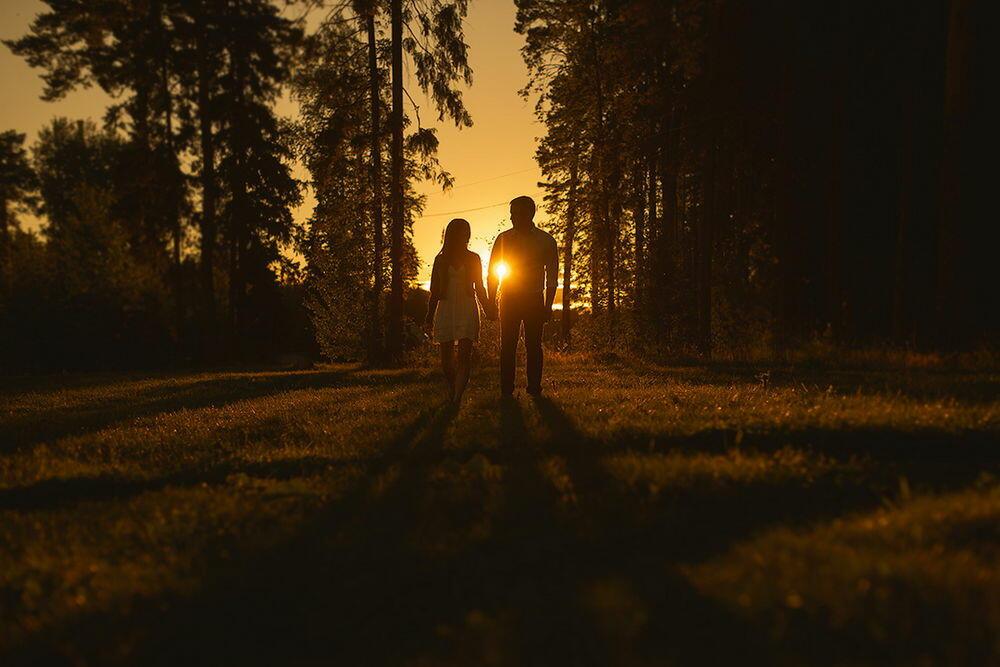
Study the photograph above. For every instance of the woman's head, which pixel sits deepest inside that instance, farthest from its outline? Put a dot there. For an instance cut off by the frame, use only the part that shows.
(456, 237)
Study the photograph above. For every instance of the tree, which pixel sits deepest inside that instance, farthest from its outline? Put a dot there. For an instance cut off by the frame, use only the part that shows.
(375, 342)
(436, 45)
(340, 138)
(786, 198)
(103, 304)
(17, 196)
(132, 51)
(255, 166)
(394, 347)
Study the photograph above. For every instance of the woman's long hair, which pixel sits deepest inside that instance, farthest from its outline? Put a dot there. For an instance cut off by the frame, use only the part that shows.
(456, 240)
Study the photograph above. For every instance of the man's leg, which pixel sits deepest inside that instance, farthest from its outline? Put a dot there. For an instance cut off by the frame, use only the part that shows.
(510, 330)
(534, 320)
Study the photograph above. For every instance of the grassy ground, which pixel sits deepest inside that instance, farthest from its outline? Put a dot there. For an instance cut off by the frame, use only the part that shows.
(635, 516)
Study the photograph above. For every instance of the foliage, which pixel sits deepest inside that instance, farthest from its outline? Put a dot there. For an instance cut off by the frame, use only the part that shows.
(730, 176)
(179, 71)
(334, 140)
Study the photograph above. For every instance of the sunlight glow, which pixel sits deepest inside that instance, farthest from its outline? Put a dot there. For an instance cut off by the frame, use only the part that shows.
(501, 270)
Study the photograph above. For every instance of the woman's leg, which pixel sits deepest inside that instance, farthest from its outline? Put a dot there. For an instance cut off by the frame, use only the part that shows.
(463, 367)
(448, 364)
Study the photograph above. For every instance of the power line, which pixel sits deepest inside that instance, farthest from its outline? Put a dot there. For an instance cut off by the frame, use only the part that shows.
(464, 210)
(494, 178)
(469, 210)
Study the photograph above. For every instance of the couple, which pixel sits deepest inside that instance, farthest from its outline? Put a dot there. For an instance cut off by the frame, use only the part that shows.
(524, 266)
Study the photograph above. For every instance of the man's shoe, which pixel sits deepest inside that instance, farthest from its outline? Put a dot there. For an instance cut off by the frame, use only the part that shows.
(534, 391)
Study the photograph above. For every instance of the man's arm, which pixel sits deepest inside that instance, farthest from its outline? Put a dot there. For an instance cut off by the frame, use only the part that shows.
(551, 274)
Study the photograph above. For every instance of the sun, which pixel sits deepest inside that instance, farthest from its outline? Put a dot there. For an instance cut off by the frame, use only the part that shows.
(501, 270)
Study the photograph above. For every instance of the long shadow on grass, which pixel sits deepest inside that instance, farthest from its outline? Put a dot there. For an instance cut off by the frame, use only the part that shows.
(261, 599)
(971, 387)
(934, 460)
(33, 428)
(398, 580)
(379, 579)
(712, 516)
(483, 561)
(60, 493)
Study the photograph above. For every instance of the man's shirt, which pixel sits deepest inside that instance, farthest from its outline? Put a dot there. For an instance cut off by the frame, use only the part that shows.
(529, 254)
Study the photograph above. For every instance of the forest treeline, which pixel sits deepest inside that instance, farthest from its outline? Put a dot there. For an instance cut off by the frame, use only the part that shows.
(169, 233)
(740, 176)
(723, 177)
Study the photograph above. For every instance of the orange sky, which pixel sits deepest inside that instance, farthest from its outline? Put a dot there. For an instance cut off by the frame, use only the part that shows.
(492, 162)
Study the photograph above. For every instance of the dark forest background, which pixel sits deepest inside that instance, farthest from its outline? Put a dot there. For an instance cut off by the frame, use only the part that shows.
(725, 178)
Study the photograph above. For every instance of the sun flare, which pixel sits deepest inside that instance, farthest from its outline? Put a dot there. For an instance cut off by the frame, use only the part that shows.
(501, 270)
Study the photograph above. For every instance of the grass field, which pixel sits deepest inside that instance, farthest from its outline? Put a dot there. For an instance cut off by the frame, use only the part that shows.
(636, 515)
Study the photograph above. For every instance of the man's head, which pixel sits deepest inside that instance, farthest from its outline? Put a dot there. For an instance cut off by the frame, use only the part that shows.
(522, 212)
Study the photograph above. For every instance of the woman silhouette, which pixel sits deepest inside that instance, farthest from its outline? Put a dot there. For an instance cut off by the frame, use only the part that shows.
(453, 309)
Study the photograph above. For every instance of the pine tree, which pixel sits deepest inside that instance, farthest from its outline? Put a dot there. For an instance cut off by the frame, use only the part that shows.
(17, 196)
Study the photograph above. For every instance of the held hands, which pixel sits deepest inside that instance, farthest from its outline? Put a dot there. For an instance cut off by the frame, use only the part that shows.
(490, 308)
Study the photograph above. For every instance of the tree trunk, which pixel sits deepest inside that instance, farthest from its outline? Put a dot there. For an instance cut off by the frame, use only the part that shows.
(667, 246)
(375, 307)
(173, 189)
(710, 209)
(949, 300)
(703, 254)
(639, 220)
(567, 292)
(835, 196)
(668, 197)
(208, 223)
(901, 328)
(595, 264)
(239, 229)
(612, 214)
(651, 261)
(601, 213)
(395, 337)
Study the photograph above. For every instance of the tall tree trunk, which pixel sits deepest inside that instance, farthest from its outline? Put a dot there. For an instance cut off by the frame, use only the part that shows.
(948, 298)
(668, 254)
(595, 250)
(208, 223)
(600, 239)
(651, 264)
(569, 238)
(237, 220)
(375, 307)
(835, 183)
(668, 186)
(639, 223)
(901, 328)
(703, 254)
(173, 188)
(612, 214)
(395, 333)
(710, 209)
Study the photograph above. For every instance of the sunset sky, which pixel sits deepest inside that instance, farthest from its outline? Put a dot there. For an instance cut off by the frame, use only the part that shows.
(492, 162)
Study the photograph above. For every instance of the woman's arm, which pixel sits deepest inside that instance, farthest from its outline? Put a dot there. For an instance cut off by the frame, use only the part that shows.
(435, 296)
(432, 305)
(477, 282)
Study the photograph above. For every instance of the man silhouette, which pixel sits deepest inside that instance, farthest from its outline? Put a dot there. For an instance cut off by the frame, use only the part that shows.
(524, 264)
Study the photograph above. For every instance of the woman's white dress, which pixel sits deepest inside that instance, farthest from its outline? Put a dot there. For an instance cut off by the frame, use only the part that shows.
(457, 314)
